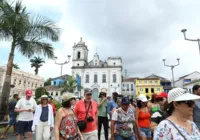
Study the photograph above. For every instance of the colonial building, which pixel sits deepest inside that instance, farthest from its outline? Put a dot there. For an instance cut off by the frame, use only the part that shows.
(186, 79)
(21, 81)
(148, 86)
(128, 87)
(163, 81)
(96, 74)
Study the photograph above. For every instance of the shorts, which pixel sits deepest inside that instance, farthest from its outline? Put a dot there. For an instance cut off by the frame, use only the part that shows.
(24, 126)
(145, 132)
(12, 119)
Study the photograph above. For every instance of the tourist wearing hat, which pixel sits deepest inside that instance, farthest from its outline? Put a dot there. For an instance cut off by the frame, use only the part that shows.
(122, 124)
(43, 121)
(86, 111)
(196, 111)
(66, 122)
(25, 107)
(143, 116)
(159, 115)
(178, 125)
(102, 113)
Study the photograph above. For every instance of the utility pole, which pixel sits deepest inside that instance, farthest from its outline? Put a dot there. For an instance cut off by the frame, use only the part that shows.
(194, 40)
(61, 64)
(172, 68)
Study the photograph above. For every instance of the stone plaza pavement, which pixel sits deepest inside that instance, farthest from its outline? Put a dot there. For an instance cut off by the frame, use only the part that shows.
(11, 137)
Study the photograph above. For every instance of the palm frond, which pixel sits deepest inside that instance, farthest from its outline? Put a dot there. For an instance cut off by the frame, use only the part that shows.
(30, 48)
(43, 28)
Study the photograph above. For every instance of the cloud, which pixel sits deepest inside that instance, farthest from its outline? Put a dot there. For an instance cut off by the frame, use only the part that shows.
(141, 32)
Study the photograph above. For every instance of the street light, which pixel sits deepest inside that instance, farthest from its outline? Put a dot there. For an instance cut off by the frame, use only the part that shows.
(61, 64)
(172, 67)
(195, 40)
(114, 87)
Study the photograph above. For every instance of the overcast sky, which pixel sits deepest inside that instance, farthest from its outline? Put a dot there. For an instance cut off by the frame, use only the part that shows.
(141, 32)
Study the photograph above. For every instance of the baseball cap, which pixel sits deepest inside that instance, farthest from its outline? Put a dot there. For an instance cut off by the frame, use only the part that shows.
(125, 100)
(29, 92)
(162, 95)
(67, 96)
(142, 98)
(88, 91)
(179, 94)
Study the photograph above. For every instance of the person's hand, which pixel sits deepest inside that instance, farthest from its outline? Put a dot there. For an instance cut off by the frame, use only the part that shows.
(104, 98)
(30, 110)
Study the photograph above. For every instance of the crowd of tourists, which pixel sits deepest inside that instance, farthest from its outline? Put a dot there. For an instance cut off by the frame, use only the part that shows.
(166, 116)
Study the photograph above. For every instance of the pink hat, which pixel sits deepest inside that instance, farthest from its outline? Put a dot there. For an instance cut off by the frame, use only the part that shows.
(29, 92)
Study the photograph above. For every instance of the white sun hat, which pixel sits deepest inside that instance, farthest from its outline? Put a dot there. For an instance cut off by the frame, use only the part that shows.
(179, 94)
(142, 98)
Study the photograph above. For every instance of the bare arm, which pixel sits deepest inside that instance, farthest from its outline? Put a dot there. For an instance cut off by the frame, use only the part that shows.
(100, 103)
(153, 126)
(58, 119)
(20, 110)
(112, 129)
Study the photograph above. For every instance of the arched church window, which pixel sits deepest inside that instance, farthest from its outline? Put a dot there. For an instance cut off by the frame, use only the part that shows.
(87, 77)
(95, 78)
(104, 78)
(114, 78)
(78, 55)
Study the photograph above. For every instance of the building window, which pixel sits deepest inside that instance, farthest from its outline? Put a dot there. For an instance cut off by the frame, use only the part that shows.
(77, 64)
(104, 78)
(32, 85)
(131, 87)
(19, 82)
(54, 83)
(127, 87)
(123, 85)
(51, 93)
(140, 82)
(78, 55)
(114, 63)
(158, 89)
(146, 90)
(35, 85)
(56, 93)
(150, 82)
(87, 78)
(152, 90)
(114, 78)
(141, 89)
(145, 82)
(156, 82)
(95, 78)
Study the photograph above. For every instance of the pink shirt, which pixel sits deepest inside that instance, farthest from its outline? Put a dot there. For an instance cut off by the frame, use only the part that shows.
(80, 112)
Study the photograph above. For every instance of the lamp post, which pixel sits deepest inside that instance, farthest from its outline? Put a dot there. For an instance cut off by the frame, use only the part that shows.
(114, 87)
(194, 40)
(172, 67)
(61, 64)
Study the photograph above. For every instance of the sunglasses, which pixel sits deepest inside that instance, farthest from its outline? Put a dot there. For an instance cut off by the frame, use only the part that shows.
(189, 103)
(89, 94)
(159, 99)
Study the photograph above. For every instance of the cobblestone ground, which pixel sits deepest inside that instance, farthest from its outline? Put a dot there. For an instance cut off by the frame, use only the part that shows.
(11, 137)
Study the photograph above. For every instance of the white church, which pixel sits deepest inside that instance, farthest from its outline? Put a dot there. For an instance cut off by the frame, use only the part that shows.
(96, 74)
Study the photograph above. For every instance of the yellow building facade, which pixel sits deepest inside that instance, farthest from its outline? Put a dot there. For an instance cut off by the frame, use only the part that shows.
(148, 86)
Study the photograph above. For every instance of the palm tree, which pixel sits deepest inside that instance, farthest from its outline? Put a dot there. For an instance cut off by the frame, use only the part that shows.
(37, 63)
(69, 85)
(15, 66)
(26, 34)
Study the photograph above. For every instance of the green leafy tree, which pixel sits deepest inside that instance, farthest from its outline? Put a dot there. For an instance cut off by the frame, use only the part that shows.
(27, 34)
(47, 82)
(15, 66)
(36, 62)
(69, 85)
(40, 91)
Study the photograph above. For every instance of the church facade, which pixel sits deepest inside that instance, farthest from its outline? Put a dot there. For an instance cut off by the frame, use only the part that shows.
(96, 74)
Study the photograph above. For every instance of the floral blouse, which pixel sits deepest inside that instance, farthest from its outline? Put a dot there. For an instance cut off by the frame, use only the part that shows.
(166, 131)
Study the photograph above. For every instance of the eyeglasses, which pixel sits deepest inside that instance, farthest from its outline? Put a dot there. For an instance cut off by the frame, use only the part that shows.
(189, 103)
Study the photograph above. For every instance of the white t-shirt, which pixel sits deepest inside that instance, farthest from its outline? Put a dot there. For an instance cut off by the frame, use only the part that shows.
(26, 104)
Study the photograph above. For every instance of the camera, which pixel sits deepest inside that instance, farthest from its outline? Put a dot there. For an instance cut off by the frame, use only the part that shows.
(90, 119)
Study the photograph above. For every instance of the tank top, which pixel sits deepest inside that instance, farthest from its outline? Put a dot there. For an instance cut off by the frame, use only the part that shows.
(68, 127)
(144, 119)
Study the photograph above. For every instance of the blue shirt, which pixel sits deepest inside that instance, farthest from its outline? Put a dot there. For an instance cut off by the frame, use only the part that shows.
(111, 104)
(44, 114)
